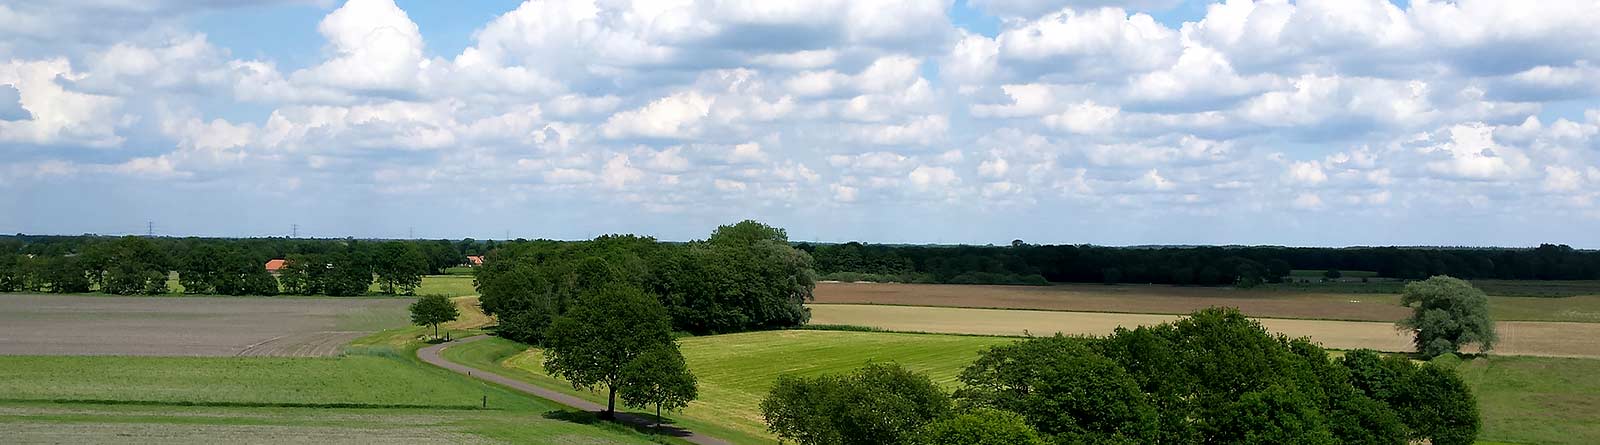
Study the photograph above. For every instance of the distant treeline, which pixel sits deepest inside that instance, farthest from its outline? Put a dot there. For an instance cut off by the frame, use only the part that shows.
(1022, 263)
(138, 265)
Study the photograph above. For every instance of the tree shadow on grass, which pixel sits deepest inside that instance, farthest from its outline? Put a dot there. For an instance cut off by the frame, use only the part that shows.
(642, 423)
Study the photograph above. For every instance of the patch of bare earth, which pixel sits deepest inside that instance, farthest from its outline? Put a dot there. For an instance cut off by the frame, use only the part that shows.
(181, 326)
(1139, 299)
(1553, 339)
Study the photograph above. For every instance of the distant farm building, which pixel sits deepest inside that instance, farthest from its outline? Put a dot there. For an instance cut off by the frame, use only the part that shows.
(474, 260)
(275, 265)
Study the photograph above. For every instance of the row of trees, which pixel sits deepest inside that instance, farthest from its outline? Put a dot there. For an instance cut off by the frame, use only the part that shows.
(439, 254)
(1021, 263)
(137, 265)
(1213, 377)
(743, 277)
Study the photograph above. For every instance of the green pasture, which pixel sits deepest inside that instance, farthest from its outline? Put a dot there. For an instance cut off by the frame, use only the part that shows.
(736, 370)
(359, 381)
(1536, 399)
(379, 393)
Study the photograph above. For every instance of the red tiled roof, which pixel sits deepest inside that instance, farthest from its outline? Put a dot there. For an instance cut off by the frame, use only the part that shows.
(475, 259)
(274, 265)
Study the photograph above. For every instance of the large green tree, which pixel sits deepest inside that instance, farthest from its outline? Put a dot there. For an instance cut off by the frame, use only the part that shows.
(1447, 313)
(432, 310)
(399, 267)
(607, 330)
(132, 265)
(658, 378)
(876, 404)
(1431, 399)
(1064, 389)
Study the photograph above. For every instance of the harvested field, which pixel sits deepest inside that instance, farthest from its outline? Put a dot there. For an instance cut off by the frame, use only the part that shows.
(197, 326)
(1159, 299)
(1551, 339)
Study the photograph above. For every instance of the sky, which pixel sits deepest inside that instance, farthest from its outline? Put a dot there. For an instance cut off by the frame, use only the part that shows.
(1131, 122)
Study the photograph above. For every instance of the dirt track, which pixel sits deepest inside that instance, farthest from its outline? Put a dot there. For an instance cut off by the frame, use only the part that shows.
(188, 326)
(1552, 339)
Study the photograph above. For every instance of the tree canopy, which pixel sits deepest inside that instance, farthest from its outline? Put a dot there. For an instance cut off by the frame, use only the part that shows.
(432, 310)
(658, 378)
(604, 332)
(877, 404)
(1447, 313)
(744, 277)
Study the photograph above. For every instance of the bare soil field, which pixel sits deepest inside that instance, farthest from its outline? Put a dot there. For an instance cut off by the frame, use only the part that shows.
(1160, 299)
(1550, 339)
(189, 326)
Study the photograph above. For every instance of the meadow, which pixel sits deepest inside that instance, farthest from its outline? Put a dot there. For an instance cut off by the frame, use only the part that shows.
(1536, 399)
(736, 370)
(354, 381)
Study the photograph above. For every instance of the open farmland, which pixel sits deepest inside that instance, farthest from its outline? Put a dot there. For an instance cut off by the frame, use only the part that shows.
(1535, 399)
(736, 370)
(1551, 339)
(189, 326)
(344, 400)
(1307, 302)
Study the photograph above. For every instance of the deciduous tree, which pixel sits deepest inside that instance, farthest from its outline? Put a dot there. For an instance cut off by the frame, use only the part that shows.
(658, 378)
(1447, 314)
(876, 404)
(591, 344)
(433, 309)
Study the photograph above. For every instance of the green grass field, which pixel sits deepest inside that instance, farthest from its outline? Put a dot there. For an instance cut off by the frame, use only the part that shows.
(1536, 400)
(379, 394)
(447, 285)
(351, 380)
(736, 370)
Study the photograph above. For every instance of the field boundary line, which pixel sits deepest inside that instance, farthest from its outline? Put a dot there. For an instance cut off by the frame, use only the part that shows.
(432, 356)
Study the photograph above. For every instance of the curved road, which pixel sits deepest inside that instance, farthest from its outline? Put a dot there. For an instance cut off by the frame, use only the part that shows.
(431, 355)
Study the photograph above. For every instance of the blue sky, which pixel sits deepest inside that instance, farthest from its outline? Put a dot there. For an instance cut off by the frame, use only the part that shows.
(1327, 122)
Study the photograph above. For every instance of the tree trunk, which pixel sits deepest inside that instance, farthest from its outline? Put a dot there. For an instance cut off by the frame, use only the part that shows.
(435, 330)
(611, 404)
(658, 416)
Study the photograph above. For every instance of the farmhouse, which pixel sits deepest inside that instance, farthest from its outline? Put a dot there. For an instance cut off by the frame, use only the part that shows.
(474, 260)
(275, 265)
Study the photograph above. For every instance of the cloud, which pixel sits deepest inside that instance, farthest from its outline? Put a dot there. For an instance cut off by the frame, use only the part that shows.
(376, 46)
(1035, 8)
(673, 117)
(11, 105)
(1088, 108)
(58, 116)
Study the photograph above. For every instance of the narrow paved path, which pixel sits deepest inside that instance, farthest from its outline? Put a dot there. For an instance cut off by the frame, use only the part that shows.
(431, 355)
